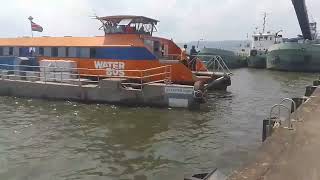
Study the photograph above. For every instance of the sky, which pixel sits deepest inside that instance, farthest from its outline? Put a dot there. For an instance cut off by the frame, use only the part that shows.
(181, 20)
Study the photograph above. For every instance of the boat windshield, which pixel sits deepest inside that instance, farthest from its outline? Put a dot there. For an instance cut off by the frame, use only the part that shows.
(128, 25)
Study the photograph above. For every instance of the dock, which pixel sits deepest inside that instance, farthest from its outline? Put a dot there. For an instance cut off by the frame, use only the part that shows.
(289, 154)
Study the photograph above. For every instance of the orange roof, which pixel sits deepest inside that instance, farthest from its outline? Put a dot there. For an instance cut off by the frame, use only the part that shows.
(110, 40)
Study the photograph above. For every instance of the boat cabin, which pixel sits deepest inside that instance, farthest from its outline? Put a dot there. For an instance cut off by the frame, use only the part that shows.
(128, 25)
(262, 41)
(143, 28)
(126, 38)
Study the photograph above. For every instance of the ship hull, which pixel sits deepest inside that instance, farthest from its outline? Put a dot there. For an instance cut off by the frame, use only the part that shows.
(297, 57)
(257, 61)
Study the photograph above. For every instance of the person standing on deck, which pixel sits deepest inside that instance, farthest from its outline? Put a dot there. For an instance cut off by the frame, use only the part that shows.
(184, 56)
(193, 54)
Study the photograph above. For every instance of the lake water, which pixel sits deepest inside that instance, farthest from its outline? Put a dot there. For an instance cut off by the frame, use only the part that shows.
(65, 140)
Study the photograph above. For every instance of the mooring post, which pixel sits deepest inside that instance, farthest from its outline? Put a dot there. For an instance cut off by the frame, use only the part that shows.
(266, 129)
(316, 83)
(310, 90)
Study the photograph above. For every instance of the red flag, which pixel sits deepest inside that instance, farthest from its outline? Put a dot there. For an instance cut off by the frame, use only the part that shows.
(36, 27)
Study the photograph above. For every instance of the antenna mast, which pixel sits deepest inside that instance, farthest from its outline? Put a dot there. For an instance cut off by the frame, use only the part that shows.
(264, 22)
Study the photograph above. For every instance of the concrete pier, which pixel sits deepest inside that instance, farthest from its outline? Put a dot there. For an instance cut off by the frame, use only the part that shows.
(289, 154)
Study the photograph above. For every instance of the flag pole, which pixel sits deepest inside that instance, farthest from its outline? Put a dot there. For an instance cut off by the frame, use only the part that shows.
(30, 19)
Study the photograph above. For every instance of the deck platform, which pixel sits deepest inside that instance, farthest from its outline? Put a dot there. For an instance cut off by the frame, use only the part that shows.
(289, 154)
(111, 91)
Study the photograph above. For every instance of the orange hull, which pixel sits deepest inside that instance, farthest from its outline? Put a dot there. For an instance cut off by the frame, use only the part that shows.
(130, 68)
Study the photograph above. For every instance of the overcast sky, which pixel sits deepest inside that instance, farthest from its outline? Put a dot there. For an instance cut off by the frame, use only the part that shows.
(182, 20)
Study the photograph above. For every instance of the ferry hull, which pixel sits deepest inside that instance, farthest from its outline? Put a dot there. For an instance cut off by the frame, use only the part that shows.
(107, 91)
(257, 61)
(294, 57)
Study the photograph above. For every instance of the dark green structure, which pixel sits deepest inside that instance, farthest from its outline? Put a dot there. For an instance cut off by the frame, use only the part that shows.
(231, 59)
(257, 59)
(293, 56)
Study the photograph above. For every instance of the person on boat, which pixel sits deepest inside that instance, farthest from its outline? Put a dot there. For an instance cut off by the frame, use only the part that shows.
(141, 30)
(193, 54)
(193, 51)
(184, 57)
(162, 50)
(117, 29)
(31, 52)
(129, 29)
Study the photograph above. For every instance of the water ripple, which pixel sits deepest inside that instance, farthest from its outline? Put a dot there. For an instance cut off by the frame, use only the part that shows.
(67, 140)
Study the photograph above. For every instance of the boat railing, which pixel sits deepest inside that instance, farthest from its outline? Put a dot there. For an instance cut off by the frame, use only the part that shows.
(276, 118)
(129, 78)
(214, 63)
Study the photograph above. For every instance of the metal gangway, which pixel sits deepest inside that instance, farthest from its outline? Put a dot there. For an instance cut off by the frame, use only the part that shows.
(215, 63)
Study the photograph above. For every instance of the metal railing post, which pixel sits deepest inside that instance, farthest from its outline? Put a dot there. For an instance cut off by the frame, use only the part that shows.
(61, 78)
(45, 75)
(141, 80)
(279, 114)
(80, 85)
(294, 106)
(168, 74)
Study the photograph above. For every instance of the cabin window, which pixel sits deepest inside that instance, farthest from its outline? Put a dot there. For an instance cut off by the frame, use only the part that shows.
(47, 52)
(41, 51)
(260, 38)
(24, 51)
(61, 52)
(54, 52)
(20, 52)
(72, 52)
(85, 52)
(255, 38)
(270, 38)
(156, 46)
(93, 52)
(10, 51)
(67, 51)
(1, 51)
(266, 38)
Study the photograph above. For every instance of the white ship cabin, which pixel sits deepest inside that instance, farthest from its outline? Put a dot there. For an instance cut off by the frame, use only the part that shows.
(125, 24)
(262, 41)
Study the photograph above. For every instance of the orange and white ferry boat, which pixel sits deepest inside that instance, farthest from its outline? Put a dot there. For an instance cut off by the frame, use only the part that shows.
(128, 51)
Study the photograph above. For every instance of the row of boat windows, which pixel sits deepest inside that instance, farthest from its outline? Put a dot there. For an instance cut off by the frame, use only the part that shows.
(49, 51)
(262, 38)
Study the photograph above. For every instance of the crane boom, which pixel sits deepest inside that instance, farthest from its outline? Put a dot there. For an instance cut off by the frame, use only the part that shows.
(303, 18)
